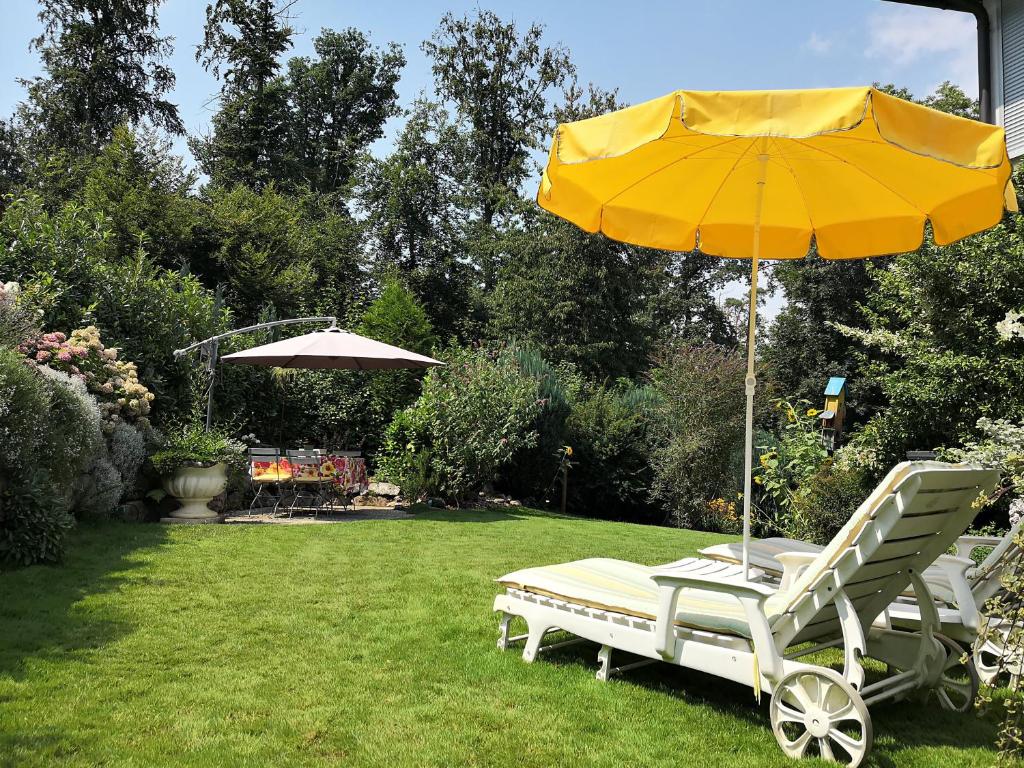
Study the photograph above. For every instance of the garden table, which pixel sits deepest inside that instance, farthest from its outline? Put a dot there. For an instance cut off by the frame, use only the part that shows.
(347, 474)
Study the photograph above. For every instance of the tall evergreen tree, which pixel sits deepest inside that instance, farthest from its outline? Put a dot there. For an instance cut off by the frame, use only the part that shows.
(104, 64)
(243, 42)
(300, 126)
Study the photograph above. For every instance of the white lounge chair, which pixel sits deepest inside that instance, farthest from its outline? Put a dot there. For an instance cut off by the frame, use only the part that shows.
(749, 632)
(960, 587)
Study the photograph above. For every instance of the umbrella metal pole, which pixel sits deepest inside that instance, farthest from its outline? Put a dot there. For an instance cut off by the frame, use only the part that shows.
(750, 382)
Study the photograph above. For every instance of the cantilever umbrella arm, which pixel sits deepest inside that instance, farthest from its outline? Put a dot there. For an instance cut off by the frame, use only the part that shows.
(209, 347)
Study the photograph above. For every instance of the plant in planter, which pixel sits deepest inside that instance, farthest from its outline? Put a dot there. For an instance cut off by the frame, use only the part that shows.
(193, 463)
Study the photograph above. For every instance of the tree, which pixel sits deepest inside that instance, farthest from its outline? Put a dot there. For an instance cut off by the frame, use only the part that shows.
(142, 190)
(242, 44)
(302, 128)
(580, 298)
(339, 104)
(500, 82)
(591, 301)
(104, 65)
(804, 347)
(931, 338)
(416, 211)
(297, 254)
(396, 318)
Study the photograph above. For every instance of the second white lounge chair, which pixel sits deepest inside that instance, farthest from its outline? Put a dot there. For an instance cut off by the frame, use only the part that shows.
(694, 616)
(960, 586)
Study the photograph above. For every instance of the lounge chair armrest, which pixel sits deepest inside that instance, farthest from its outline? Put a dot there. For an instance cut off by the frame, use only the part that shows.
(749, 594)
(965, 545)
(793, 564)
(955, 569)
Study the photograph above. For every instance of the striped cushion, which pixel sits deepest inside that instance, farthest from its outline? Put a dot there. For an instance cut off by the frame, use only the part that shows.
(625, 587)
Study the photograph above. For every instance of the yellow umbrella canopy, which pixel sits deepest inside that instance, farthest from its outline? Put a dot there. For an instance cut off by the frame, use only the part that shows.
(756, 174)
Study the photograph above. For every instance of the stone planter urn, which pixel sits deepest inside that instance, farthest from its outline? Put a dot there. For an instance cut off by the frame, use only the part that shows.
(195, 487)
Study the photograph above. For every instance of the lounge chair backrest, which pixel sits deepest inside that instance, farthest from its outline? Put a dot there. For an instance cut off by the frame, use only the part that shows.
(914, 515)
(986, 581)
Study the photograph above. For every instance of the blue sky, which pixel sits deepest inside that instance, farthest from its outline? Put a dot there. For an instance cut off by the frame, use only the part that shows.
(644, 48)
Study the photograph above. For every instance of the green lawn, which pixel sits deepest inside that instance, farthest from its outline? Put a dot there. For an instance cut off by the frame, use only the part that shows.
(364, 644)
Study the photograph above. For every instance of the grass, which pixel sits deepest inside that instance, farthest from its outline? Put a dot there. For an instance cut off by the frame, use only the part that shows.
(364, 644)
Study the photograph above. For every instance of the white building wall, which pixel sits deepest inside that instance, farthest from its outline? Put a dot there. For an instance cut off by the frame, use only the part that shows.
(1008, 72)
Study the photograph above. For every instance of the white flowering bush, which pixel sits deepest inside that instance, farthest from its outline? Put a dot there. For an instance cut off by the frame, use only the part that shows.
(1001, 447)
(1011, 327)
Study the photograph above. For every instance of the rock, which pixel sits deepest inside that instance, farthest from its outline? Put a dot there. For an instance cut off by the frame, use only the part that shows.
(384, 489)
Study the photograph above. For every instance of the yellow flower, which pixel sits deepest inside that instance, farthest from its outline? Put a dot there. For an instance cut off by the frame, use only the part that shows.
(568, 450)
(812, 412)
(758, 480)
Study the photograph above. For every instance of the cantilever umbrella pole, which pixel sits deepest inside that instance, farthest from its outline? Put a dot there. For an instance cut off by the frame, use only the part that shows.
(750, 382)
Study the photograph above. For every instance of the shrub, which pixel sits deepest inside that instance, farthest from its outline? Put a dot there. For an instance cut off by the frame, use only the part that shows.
(23, 405)
(127, 449)
(472, 416)
(147, 312)
(98, 489)
(114, 382)
(49, 433)
(32, 526)
(784, 468)
(75, 426)
(191, 445)
(18, 321)
(608, 430)
(54, 255)
(827, 500)
(531, 471)
(698, 428)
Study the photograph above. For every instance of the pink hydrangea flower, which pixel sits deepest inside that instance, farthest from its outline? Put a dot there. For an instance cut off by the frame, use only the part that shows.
(42, 356)
(64, 356)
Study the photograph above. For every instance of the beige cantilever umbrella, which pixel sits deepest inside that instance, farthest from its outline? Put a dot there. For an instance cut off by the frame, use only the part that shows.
(331, 348)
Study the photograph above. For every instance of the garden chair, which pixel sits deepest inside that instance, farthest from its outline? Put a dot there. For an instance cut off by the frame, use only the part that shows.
(307, 481)
(756, 634)
(960, 587)
(265, 477)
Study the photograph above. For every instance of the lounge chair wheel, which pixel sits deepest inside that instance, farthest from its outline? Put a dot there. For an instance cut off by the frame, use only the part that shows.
(957, 687)
(989, 650)
(818, 711)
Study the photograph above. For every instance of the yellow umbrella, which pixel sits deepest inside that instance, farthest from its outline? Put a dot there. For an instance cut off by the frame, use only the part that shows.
(754, 174)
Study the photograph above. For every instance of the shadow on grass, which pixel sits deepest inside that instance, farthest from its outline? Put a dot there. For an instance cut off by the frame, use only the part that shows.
(471, 515)
(39, 617)
(897, 726)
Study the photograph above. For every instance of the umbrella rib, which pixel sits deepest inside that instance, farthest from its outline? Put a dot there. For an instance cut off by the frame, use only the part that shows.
(656, 171)
(796, 181)
(861, 171)
(725, 178)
